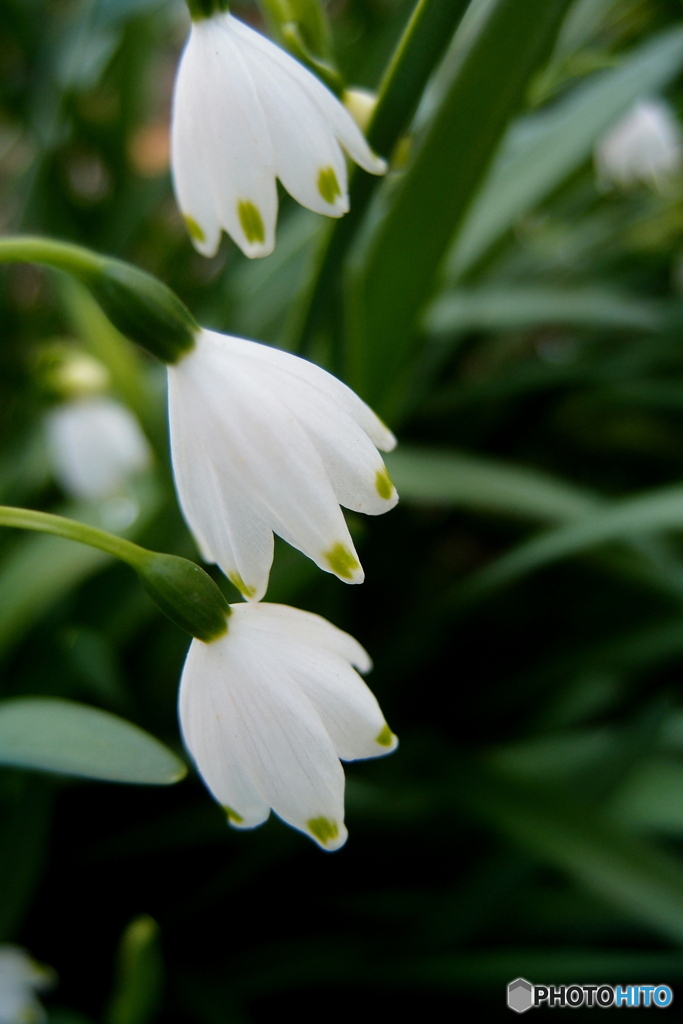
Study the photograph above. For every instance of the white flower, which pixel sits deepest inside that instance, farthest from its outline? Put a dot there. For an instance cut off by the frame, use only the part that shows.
(20, 978)
(263, 441)
(244, 114)
(644, 146)
(268, 709)
(95, 446)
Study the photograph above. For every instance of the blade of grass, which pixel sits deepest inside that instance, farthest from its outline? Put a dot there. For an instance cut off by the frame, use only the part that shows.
(392, 279)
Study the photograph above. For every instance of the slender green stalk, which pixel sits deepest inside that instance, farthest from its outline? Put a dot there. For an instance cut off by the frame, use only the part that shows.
(74, 259)
(60, 526)
(183, 591)
(139, 305)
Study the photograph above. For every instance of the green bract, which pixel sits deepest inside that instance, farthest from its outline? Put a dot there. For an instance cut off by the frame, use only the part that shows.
(139, 305)
(200, 9)
(186, 594)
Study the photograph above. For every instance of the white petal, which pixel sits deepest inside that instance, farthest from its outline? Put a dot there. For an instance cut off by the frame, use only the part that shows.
(230, 139)
(228, 530)
(274, 462)
(268, 735)
(210, 722)
(309, 161)
(191, 181)
(304, 627)
(297, 368)
(339, 119)
(321, 656)
(348, 708)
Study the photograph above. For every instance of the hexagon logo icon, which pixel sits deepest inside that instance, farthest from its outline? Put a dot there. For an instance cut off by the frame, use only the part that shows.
(520, 995)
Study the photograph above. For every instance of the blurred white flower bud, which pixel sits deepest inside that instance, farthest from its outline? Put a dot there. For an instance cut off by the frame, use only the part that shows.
(95, 446)
(20, 978)
(645, 146)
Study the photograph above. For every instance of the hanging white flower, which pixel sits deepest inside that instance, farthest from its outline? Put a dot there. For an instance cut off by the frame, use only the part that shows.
(268, 709)
(20, 978)
(244, 114)
(645, 146)
(96, 445)
(263, 441)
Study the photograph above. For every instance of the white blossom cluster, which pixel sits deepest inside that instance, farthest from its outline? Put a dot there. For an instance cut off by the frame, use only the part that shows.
(265, 442)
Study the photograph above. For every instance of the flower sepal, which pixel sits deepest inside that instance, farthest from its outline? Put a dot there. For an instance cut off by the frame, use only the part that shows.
(138, 305)
(185, 593)
(201, 9)
(143, 309)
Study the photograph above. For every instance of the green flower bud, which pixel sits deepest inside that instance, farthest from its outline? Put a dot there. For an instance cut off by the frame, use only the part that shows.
(185, 593)
(200, 9)
(139, 305)
(142, 308)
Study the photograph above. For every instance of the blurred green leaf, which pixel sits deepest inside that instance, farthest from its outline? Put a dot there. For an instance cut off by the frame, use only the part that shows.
(498, 307)
(53, 735)
(395, 274)
(543, 150)
(421, 47)
(650, 513)
(137, 991)
(469, 481)
(644, 882)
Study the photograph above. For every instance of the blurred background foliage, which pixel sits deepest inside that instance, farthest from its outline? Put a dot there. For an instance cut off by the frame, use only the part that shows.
(518, 322)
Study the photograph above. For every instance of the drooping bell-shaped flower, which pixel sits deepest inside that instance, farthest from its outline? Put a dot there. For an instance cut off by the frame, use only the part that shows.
(269, 708)
(20, 978)
(645, 146)
(266, 442)
(245, 113)
(96, 445)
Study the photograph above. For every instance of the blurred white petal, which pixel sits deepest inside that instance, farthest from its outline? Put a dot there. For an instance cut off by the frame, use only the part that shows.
(646, 145)
(268, 709)
(20, 978)
(95, 445)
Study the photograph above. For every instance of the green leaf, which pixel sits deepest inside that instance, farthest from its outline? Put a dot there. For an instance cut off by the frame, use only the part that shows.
(421, 47)
(506, 308)
(432, 477)
(543, 150)
(625, 520)
(395, 275)
(53, 735)
(644, 882)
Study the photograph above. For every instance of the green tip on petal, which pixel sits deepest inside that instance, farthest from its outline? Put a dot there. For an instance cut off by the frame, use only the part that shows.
(385, 737)
(385, 487)
(251, 221)
(233, 817)
(323, 829)
(328, 185)
(341, 561)
(194, 230)
(244, 588)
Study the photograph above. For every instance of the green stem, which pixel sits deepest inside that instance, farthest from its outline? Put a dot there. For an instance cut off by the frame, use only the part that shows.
(74, 259)
(46, 522)
(183, 591)
(139, 305)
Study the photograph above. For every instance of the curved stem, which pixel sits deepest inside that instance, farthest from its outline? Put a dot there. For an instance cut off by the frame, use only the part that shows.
(30, 249)
(46, 522)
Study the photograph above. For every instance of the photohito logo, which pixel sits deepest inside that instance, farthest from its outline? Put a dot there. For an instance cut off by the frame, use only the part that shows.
(523, 996)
